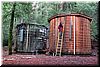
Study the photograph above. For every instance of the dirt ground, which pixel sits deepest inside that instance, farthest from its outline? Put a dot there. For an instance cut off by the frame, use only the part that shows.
(19, 59)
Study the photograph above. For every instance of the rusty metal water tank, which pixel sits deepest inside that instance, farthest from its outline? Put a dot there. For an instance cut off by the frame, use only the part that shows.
(76, 38)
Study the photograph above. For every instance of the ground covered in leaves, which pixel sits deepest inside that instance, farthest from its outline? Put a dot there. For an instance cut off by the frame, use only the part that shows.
(19, 59)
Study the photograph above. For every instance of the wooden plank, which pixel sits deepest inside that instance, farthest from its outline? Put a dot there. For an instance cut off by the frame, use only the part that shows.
(63, 23)
(53, 34)
(67, 33)
(80, 35)
(89, 39)
(83, 35)
(77, 35)
(56, 27)
(58, 20)
(50, 37)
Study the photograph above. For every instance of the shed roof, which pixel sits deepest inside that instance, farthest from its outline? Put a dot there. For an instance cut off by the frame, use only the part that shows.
(72, 14)
(31, 24)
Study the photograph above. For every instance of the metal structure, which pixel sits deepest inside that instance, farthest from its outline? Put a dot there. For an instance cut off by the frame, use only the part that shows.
(30, 37)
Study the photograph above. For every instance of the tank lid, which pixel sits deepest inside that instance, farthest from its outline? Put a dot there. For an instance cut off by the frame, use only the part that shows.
(72, 14)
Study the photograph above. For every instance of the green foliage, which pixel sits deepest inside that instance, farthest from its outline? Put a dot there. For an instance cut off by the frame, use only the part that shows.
(6, 19)
(39, 12)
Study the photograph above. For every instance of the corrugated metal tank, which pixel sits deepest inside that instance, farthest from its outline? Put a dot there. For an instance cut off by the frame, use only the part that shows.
(78, 42)
(30, 37)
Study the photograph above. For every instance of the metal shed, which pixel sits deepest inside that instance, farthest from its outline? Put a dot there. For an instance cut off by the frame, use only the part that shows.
(30, 37)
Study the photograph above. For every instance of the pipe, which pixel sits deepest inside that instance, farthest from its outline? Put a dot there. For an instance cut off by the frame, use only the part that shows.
(74, 35)
(21, 35)
(27, 37)
(70, 29)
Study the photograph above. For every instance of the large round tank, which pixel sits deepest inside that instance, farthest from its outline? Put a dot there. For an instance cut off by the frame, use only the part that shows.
(76, 38)
(30, 37)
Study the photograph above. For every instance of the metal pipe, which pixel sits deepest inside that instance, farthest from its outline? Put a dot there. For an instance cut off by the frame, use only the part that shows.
(27, 37)
(70, 29)
(74, 35)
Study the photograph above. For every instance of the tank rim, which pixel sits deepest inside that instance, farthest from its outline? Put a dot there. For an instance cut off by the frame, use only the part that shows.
(72, 14)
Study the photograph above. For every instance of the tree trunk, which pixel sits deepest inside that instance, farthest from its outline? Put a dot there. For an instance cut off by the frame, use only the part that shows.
(61, 6)
(10, 30)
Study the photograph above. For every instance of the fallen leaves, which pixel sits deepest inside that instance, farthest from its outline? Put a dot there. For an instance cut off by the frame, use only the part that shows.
(50, 60)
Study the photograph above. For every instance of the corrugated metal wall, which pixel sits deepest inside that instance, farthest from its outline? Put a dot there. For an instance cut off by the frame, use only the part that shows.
(33, 38)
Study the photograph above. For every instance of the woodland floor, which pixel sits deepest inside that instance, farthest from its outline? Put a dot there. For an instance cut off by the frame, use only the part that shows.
(19, 59)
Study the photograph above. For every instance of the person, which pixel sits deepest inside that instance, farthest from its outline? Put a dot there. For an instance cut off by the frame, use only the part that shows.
(60, 27)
